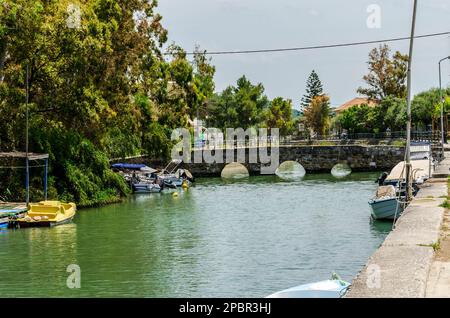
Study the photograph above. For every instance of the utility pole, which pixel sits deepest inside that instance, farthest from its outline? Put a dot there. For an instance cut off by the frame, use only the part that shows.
(441, 100)
(408, 103)
(27, 178)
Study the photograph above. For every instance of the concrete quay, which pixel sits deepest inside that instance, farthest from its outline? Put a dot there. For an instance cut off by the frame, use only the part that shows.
(408, 263)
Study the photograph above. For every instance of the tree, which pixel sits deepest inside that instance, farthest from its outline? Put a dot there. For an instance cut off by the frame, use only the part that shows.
(241, 106)
(313, 89)
(317, 114)
(279, 115)
(202, 88)
(98, 90)
(387, 76)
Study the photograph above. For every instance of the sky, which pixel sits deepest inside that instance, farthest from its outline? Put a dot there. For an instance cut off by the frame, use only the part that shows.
(218, 25)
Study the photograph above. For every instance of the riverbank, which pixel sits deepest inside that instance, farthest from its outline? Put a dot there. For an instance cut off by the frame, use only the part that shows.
(403, 265)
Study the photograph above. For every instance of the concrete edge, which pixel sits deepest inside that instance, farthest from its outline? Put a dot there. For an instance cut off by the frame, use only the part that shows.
(401, 266)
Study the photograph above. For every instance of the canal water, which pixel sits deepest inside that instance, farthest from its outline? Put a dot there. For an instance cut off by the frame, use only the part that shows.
(246, 238)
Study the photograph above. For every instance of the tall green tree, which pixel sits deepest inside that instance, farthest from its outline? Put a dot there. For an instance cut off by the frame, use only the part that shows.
(314, 88)
(387, 75)
(241, 106)
(100, 88)
(279, 115)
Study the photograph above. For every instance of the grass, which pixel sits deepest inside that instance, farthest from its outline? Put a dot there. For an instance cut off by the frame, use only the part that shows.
(398, 143)
(326, 143)
(436, 245)
(445, 205)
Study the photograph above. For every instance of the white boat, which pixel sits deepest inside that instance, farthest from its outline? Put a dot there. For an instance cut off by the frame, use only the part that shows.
(420, 172)
(332, 288)
(386, 204)
(389, 201)
(146, 188)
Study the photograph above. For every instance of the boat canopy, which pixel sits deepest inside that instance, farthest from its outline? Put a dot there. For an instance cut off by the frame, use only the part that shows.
(419, 169)
(148, 169)
(385, 191)
(180, 172)
(130, 166)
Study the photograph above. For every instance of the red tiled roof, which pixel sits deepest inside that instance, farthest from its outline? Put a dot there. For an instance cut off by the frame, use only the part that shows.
(354, 102)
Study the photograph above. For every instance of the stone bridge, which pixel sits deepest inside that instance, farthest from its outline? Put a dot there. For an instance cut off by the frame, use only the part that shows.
(313, 158)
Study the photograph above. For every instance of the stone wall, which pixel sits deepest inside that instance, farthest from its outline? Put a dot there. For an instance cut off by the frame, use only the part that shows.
(319, 159)
(314, 158)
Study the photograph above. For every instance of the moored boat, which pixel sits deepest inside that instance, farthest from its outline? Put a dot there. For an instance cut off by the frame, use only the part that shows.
(332, 288)
(146, 188)
(9, 212)
(390, 199)
(47, 213)
(386, 204)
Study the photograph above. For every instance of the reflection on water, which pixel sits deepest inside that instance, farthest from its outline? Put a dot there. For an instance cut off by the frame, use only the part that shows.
(291, 171)
(245, 238)
(381, 227)
(341, 170)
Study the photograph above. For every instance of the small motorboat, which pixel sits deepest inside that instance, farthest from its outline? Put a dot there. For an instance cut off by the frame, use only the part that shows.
(386, 204)
(175, 178)
(47, 213)
(146, 188)
(332, 288)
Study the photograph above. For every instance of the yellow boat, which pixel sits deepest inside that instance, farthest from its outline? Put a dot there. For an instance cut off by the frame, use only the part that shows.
(47, 213)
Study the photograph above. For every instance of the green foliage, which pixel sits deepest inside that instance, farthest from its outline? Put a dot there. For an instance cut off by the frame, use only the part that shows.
(81, 171)
(317, 115)
(98, 91)
(313, 89)
(156, 141)
(389, 114)
(387, 75)
(279, 115)
(426, 106)
(242, 106)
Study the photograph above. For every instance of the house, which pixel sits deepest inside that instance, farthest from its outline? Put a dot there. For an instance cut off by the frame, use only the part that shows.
(355, 102)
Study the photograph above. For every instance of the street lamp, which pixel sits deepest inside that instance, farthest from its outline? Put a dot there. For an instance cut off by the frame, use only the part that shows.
(441, 99)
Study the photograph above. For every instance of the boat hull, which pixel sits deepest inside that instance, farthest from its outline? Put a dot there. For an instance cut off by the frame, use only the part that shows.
(26, 224)
(386, 209)
(323, 289)
(146, 188)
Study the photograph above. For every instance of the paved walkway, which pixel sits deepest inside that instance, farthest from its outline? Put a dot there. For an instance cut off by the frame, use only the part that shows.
(400, 267)
(438, 284)
(443, 169)
(414, 260)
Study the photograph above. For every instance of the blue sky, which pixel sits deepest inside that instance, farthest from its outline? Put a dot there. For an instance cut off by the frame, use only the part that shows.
(218, 25)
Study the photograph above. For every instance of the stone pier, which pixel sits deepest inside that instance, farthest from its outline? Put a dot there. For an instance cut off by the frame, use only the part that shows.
(405, 264)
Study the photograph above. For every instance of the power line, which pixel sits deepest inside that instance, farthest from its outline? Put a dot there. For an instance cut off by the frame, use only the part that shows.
(317, 46)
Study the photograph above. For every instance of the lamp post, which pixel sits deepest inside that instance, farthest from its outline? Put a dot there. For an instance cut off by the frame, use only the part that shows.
(441, 100)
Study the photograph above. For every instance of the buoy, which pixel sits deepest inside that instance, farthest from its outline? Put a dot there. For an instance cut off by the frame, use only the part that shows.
(184, 185)
(175, 194)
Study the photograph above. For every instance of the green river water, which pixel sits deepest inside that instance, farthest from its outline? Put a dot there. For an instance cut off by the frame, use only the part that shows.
(218, 239)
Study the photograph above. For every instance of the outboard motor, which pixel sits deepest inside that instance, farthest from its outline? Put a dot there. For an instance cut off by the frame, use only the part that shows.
(382, 178)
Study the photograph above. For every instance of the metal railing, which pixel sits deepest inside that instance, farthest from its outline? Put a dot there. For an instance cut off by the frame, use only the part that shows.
(415, 135)
(433, 137)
